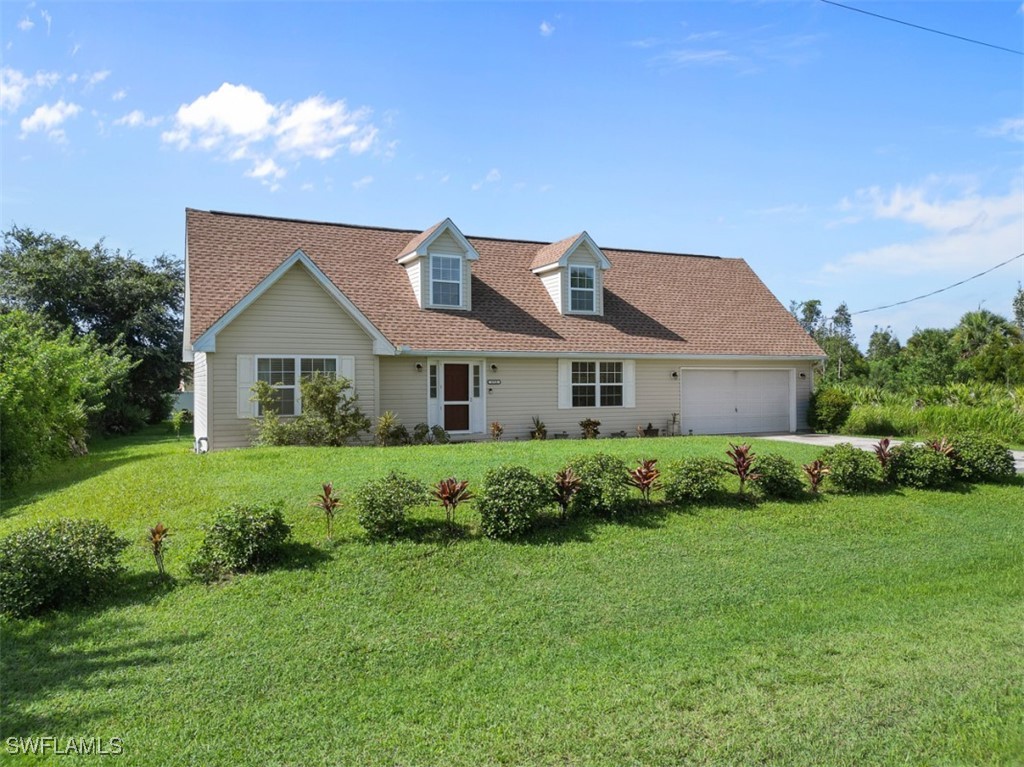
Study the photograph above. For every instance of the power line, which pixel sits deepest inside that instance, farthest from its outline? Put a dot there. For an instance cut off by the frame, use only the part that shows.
(926, 29)
(940, 290)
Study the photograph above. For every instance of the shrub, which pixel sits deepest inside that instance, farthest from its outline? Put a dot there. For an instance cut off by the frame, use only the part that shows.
(851, 470)
(645, 478)
(778, 477)
(330, 416)
(382, 504)
(741, 463)
(589, 426)
(919, 466)
(539, 431)
(451, 492)
(567, 484)
(496, 430)
(816, 472)
(389, 430)
(883, 452)
(510, 500)
(241, 538)
(179, 419)
(603, 488)
(977, 458)
(64, 562)
(693, 479)
(156, 540)
(329, 503)
(829, 409)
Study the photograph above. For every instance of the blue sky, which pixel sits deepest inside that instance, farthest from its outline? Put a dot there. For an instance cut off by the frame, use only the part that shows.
(844, 157)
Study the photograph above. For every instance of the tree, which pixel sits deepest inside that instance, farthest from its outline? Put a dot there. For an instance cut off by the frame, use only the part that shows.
(884, 358)
(116, 298)
(977, 328)
(50, 383)
(808, 314)
(835, 337)
(928, 358)
(1018, 308)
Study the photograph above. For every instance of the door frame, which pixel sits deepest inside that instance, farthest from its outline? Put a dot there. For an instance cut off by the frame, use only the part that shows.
(792, 386)
(477, 392)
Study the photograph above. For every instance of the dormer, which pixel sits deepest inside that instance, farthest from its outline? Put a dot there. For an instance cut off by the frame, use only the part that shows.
(572, 271)
(438, 263)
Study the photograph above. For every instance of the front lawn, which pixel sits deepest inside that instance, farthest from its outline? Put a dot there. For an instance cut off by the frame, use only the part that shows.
(880, 629)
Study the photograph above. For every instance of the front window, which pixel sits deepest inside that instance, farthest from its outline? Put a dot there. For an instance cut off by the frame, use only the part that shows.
(284, 374)
(582, 287)
(445, 280)
(597, 384)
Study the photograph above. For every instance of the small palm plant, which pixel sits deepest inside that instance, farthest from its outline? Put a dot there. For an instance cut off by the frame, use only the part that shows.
(884, 452)
(451, 492)
(157, 541)
(329, 503)
(645, 479)
(742, 464)
(567, 484)
(815, 471)
(496, 430)
(942, 446)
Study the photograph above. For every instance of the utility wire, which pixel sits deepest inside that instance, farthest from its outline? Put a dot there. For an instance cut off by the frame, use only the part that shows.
(926, 29)
(940, 290)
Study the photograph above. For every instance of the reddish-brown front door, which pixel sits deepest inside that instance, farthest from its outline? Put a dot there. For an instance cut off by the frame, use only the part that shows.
(456, 397)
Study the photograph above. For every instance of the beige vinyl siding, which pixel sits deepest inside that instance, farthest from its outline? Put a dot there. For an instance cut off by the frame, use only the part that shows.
(201, 404)
(294, 316)
(553, 284)
(445, 243)
(415, 272)
(403, 389)
(803, 394)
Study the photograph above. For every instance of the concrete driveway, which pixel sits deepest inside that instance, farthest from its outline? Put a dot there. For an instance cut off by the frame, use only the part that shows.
(864, 443)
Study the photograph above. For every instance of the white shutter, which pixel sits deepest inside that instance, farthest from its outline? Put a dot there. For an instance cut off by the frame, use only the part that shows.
(628, 383)
(348, 370)
(245, 377)
(564, 384)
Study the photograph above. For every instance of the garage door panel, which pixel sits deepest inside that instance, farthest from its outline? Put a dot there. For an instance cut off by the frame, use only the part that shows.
(735, 401)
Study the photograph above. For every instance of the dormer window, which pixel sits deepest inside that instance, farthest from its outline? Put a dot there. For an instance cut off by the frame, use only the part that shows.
(445, 280)
(582, 282)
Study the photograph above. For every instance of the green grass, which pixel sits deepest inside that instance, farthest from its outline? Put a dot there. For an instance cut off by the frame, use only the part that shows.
(881, 629)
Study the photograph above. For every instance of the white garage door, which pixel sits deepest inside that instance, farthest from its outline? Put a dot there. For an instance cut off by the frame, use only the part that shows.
(735, 401)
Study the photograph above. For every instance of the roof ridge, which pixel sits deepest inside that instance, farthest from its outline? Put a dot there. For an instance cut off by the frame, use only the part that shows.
(468, 236)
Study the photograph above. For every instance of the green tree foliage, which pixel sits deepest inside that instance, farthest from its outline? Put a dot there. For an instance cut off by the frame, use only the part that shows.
(928, 358)
(1018, 308)
(330, 414)
(50, 384)
(117, 299)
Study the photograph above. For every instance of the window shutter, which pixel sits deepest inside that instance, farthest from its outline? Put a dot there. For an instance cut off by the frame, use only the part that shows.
(628, 383)
(348, 370)
(564, 384)
(245, 378)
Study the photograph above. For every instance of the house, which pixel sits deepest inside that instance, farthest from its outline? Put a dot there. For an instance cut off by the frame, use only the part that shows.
(463, 331)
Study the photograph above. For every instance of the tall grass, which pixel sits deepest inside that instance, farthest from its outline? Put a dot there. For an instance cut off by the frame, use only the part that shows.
(900, 420)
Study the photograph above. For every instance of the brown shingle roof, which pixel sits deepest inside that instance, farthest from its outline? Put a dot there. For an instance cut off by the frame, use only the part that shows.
(655, 303)
(549, 254)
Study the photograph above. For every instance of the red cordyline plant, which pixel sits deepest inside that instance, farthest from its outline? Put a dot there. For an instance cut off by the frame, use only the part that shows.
(742, 464)
(451, 492)
(943, 446)
(567, 484)
(883, 451)
(645, 478)
(329, 503)
(157, 540)
(815, 471)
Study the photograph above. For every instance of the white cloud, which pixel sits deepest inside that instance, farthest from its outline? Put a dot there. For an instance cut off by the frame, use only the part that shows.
(243, 124)
(119, 95)
(137, 119)
(73, 78)
(960, 228)
(362, 183)
(15, 86)
(48, 19)
(26, 24)
(686, 56)
(493, 176)
(546, 29)
(76, 48)
(49, 119)
(1010, 127)
(97, 77)
(266, 169)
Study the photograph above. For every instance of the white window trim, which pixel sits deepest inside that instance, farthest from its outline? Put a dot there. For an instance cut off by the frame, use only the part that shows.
(565, 384)
(339, 367)
(592, 291)
(430, 277)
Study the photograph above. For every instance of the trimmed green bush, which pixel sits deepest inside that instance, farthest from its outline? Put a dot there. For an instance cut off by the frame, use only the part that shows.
(603, 489)
(61, 563)
(851, 470)
(382, 504)
(977, 458)
(919, 466)
(829, 409)
(510, 500)
(778, 477)
(241, 538)
(693, 479)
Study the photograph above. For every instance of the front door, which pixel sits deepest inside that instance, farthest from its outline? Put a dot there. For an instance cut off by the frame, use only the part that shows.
(456, 396)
